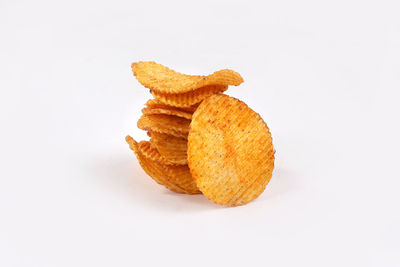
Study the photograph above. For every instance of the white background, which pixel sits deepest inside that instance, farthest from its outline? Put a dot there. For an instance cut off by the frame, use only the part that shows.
(325, 76)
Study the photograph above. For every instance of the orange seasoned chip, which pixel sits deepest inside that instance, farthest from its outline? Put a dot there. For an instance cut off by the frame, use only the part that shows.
(230, 151)
(191, 108)
(175, 178)
(151, 152)
(190, 98)
(159, 78)
(173, 149)
(172, 125)
(154, 103)
(168, 111)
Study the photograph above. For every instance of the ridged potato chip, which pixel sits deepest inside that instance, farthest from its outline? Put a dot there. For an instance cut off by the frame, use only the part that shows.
(154, 103)
(190, 98)
(151, 152)
(173, 149)
(230, 151)
(159, 78)
(175, 178)
(153, 169)
(168, 111)
(172, 125)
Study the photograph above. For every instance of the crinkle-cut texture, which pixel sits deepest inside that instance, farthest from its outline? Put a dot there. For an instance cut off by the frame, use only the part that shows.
(175, 178)
(151, 152)
(153, 169)
(230, 151)
(173, 149)
(154, 103)
(190, 98)
(168, 111)
(159, 78)
(168, 124)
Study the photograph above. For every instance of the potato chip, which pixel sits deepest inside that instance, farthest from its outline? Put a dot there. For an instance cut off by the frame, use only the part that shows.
(154, 103)
(154, 170)
(173, 149)
(190, 98)
(175, 178)
(230, 151)
(151, 152)
(172, 125)
(168, 111)
(159, 78)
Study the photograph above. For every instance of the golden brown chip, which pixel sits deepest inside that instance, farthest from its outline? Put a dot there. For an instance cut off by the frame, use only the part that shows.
(190, 98)
(230, 151)
(154, 103)
(175, 178)
(159, 78)
(173, 149)
(155, 171)
(172, 125)
(168, 111)
(151, 152)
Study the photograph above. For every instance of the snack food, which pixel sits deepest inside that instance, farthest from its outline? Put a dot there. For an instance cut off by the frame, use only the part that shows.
(172, 125)
(161, 79)
(200, 139)
(189, 98)
(175, 178)
(167, 111)
(173, 149)
(230, 151)
(154, 103)
(150, 152)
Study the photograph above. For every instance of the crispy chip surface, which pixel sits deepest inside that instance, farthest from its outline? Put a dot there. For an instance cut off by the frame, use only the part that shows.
(149, 151)
(154, 103)
(230, 151)
(159, 78)
(168, 111)
(175, 178)
(172, 125)
(190, 98)
(173, 149)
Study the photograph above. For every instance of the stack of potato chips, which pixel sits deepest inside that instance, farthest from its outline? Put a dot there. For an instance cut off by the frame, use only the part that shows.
(167, 119)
